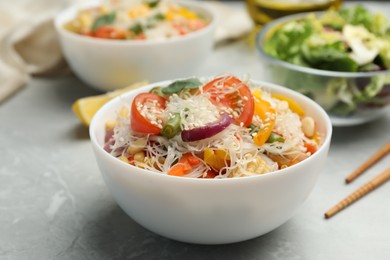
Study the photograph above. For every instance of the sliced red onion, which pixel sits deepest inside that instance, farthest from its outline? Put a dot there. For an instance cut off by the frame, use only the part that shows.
(109, 140)
(206, 131)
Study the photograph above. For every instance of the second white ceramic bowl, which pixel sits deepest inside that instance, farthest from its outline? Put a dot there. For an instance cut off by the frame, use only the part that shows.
(210, 211)
(111, 64)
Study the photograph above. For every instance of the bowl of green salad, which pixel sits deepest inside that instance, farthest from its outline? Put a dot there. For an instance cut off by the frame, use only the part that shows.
(340, 59)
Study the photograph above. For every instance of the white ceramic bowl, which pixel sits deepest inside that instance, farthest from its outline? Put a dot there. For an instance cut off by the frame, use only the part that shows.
(210, 211)
(110, 64)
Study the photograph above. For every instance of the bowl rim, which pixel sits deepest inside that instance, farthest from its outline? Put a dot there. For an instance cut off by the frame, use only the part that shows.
(289, 170)
(60, 19)
(261, 35)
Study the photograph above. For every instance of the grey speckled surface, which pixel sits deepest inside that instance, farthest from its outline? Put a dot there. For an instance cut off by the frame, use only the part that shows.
(54, 204)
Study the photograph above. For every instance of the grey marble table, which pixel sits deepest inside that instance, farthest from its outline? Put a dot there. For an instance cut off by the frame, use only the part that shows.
(54, 204)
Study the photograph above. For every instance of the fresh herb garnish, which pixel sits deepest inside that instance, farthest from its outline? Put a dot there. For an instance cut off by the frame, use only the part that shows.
(159, 17)
(179, 85)
(103, 20)
(152, 3)
(137, 29)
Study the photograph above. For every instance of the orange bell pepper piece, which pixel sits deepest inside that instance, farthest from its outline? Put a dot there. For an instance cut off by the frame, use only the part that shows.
(267, 114)
(186, 163)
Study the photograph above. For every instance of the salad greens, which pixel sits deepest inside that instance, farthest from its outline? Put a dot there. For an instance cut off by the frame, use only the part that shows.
(348, 40)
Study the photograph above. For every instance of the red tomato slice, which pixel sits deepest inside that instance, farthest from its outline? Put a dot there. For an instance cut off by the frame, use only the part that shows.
(146, 113)
(238, 102)
(109, 32)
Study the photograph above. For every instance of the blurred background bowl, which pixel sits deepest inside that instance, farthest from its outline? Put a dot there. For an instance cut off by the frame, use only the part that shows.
(331, 89)
(210, 211)
(265, 11)
(111, 64)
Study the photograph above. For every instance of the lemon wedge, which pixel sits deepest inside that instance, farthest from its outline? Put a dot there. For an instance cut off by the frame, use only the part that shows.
(85, 108)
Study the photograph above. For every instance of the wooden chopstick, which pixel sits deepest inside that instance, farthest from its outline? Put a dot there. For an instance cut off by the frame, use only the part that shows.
(363, 190)
(367, 164)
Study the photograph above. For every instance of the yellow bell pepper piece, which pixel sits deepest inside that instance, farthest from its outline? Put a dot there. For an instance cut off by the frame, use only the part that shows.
(267, 114)
(291, 103)
(216, 159)
(187, 14)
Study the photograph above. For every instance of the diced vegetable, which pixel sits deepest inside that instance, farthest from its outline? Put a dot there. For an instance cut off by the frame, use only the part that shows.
(291, 103)
(186, 163)
(206, 131)
(266, 112)
(172, 126)
(216, 159)
(137, 29)
(210, 175)
(109, 32)
(311, 147)
(274, 137)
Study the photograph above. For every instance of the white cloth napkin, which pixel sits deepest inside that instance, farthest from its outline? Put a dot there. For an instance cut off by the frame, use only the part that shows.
(29, 44)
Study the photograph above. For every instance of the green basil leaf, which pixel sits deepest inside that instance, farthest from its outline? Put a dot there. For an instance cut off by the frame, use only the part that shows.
(159, 17)
(137, 29)
(103, 20)
(152, 3)
(179, 85)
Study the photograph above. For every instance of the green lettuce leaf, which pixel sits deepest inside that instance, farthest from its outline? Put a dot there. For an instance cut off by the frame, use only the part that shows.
(285, 43)
(357, 16)
(329, 57)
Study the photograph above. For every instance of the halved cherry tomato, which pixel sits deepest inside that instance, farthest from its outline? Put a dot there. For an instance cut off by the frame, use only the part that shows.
(239, 101)
(146, 111)
(110, 32)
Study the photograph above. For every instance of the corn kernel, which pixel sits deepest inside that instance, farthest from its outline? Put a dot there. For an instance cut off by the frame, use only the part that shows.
(123, 112)
(139, 157)
(136, 146)
(110, 124)
(124, 159)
